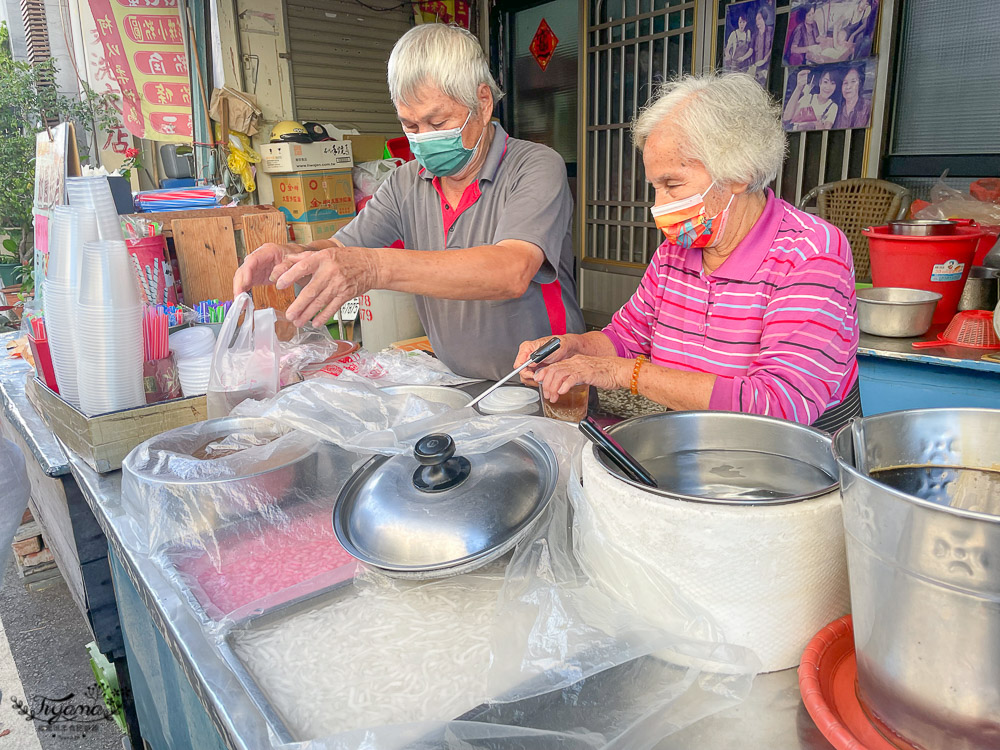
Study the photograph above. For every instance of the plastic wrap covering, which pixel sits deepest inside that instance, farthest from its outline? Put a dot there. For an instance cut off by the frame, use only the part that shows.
(527, 652)
(392, 367)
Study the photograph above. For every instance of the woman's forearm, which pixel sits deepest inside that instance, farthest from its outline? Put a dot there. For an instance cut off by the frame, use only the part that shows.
(676, 389)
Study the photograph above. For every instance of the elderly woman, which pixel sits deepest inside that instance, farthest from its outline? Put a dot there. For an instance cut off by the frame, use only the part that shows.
(749, 304)
(484, 220)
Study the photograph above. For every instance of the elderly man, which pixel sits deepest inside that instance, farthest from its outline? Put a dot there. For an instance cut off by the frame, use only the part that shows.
(749, 304)
(484, 220)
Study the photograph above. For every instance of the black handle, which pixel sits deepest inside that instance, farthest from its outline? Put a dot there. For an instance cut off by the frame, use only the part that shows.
(434, 449)
(545, 350)
(621, 457)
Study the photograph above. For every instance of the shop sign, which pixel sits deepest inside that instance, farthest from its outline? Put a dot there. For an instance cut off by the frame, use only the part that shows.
(143, 42)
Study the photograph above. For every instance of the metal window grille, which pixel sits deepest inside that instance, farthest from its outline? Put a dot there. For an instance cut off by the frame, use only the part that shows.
(631, 46)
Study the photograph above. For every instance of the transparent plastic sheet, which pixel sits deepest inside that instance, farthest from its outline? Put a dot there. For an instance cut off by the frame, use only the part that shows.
(949, 203)
(307, 346)
(393, 367)
(536, 653)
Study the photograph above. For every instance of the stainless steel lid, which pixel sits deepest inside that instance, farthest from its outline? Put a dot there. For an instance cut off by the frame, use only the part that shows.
(923, 227)
(726, 457)
(435, 511)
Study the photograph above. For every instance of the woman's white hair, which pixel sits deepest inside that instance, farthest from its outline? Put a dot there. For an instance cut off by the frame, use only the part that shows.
(446, 57)
(726, 121)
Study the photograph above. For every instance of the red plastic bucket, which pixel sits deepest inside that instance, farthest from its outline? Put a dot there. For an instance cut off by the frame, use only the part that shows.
(936, 264)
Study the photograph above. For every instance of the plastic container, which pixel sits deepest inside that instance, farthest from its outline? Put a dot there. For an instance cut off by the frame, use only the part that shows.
(934, 264)
(107, 279)
(510, 400)
(71, 228)
(197, 341)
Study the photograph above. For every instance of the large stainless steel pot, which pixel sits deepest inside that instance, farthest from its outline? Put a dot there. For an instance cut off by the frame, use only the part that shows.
(745, 524)
(925, 580)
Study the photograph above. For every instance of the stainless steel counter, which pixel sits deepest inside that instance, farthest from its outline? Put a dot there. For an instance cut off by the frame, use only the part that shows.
(946, 355)
(23, 417)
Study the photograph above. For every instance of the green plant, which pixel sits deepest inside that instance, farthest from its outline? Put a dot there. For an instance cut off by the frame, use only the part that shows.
(9, 252)
(29, 103)
(133, 160)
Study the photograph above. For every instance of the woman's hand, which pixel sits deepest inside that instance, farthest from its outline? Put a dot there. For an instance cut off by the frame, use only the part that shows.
(802, 80)
(603, 372)
(525, 350)
(335, 275)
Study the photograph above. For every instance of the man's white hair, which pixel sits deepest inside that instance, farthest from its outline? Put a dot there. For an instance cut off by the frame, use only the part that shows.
(726, 121)
(446, 57)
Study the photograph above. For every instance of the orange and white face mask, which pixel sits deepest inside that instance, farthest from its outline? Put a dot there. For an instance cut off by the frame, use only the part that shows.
(685, 222)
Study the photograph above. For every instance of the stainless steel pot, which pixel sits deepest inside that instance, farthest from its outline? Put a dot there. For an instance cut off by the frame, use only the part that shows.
(922, 547)
(435, 514)
(726, 457)
(981, 289)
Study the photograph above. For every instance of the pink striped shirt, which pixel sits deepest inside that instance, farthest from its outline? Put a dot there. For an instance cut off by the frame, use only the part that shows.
(776, 322)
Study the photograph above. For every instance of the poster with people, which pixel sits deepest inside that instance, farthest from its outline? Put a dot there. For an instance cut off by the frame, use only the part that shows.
(829, 97)
(829, 31)
(749, 38)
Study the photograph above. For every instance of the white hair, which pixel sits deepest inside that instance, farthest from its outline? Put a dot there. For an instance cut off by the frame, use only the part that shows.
(726, 121)
(446, 57)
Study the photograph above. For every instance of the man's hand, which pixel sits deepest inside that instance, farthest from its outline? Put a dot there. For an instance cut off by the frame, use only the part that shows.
(259, 266)
(336, 274)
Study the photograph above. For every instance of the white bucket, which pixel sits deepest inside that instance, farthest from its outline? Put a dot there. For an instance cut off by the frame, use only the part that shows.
(387, 317)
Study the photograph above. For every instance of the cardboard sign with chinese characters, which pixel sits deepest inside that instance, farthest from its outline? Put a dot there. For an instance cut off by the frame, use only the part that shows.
(144, 44)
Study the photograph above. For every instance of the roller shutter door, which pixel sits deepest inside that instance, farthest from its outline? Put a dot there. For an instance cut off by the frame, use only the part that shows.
(339, 51)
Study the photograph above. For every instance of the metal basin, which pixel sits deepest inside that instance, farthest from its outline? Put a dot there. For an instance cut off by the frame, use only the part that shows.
(725, 457)
(922, 540)
(172, 485)
(895, 311)
(922, 227)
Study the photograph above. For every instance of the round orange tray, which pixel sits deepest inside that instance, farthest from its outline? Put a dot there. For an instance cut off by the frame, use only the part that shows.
(827, 680)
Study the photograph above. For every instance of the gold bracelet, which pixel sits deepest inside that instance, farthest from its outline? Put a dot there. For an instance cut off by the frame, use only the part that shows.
(634, 383)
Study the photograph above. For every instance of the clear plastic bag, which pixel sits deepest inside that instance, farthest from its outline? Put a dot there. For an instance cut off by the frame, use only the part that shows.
(246, 359)
(949, 203)
(529, 651)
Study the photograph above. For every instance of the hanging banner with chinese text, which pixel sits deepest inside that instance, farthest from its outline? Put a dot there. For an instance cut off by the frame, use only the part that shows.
(99, 74)
(144, 47)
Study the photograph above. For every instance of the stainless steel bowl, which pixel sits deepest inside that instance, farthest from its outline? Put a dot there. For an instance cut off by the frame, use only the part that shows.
(922, 227)
(439, 394)
(896, 312)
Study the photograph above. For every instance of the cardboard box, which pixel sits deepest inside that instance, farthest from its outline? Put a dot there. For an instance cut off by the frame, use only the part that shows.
(305, 232)
(314, 196)
(280, 158)
(104, 440)
(367, 147)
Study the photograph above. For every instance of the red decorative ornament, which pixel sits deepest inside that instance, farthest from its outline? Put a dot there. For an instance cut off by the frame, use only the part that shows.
(543, 45)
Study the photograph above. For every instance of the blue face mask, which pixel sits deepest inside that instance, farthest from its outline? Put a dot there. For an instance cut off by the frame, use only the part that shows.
(441, 152)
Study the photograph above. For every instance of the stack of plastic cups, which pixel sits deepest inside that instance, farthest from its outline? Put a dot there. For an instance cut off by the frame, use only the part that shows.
(193, 350)
(94, 193)
(71, 227)
(110, 312)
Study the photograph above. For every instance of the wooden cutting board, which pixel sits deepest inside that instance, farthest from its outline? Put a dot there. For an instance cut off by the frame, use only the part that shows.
(206, 253)
(258, 230)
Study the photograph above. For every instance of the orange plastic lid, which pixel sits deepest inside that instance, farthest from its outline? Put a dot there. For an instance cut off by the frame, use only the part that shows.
(827, 680)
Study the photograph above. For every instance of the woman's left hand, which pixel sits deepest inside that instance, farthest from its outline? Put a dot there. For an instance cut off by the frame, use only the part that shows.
(603, 372)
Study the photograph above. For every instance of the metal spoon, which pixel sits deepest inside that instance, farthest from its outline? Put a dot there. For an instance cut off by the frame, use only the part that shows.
(536, 356)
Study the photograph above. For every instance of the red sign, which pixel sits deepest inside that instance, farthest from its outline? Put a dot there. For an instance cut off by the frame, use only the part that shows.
(543, 45)
(161, 63)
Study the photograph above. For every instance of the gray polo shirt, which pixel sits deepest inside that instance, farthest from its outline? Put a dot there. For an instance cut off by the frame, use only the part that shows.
(521, 194)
